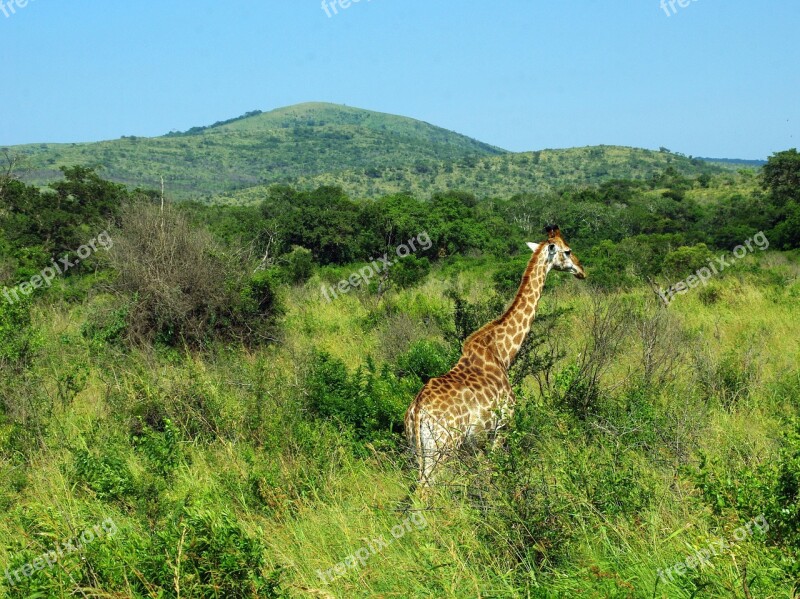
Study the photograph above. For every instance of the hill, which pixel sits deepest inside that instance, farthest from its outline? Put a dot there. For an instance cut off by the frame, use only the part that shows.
(259, 148)
(366, 153)
(497, 176)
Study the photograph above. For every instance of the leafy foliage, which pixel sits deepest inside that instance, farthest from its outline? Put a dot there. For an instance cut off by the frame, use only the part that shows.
(18, 338)
(260, 148)
(241, 448)
(372, 402)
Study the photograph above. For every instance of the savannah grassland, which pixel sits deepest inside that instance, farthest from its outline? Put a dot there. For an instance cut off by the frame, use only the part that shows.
(193, 385)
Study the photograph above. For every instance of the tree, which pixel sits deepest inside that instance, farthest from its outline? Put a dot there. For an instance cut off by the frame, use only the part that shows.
(323, 220)
(781, 176)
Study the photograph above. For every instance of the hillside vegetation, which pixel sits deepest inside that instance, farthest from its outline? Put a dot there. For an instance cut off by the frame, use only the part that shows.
(497, 176)
(258, 148)
(193, 395)
(368, 154)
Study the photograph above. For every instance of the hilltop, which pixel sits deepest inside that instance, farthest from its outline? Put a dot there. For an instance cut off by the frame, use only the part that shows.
(259, 148)
(367, 153)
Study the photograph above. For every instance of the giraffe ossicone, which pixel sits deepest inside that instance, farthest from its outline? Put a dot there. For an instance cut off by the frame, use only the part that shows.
(474, 400)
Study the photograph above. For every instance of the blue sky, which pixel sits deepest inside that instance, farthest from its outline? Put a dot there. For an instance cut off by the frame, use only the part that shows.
(717, 78)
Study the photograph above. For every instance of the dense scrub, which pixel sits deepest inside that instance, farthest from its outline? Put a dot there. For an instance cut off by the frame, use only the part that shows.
(243, 434)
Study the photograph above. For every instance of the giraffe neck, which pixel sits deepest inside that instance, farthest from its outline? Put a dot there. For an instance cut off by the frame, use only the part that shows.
(513, 326)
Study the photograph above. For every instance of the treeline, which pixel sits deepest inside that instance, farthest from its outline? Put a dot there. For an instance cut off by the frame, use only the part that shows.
(618, 224)
(625, 231)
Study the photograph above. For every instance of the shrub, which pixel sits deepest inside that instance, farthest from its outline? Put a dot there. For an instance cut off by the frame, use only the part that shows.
(208, 554)
(507, 277)
(684, 261)
(162, 448)
(710, 294)
(469, 317)
(532, 518)
(426, 360)
(106, 475)
(186, 289)
(107, 322)
(18, 338)
(728, 379)
(577, 386)
(397, 333)
(371, 402)
(299, 265)
(257, 297)
(409, 271)
(771, 490)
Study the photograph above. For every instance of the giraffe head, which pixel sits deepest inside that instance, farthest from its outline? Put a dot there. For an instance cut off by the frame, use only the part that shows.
(558, 253)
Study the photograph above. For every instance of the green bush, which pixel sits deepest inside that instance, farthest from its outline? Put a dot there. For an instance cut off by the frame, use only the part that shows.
(771, 490)
(426, 360)
(710, 294)
(532, 519)
(299, 265)
(209, 554)
(162, 448)
(18, 338)
(508, 276)
(258, 300)
(685, 261)
(107, 475)
(106, 323)
(409, 271)
(469, 317)
(369, 401)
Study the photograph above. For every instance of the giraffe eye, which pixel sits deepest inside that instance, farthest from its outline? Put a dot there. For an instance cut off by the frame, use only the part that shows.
(567, 252)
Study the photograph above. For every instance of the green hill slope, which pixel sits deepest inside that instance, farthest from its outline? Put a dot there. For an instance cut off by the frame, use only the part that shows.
(497, 176)
(259, 148)
(367, 153)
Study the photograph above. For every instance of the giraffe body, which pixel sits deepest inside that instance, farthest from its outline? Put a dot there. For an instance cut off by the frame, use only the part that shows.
(474, 400)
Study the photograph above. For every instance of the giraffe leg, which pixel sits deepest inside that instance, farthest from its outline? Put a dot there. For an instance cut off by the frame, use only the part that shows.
(420, 442)
(433, 443)
(504, 415)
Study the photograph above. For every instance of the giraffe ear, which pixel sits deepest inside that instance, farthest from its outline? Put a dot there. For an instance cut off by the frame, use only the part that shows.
(533, 246)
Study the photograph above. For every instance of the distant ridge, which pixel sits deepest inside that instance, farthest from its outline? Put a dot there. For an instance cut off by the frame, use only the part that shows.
(504, 175)
(259, 148)
(368, 153)
(198, 130)
(736, 162)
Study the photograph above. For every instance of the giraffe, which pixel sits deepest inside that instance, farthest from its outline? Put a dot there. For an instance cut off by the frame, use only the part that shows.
(474, 400)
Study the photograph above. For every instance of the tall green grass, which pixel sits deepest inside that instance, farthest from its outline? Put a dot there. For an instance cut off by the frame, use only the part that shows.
(237, 472)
